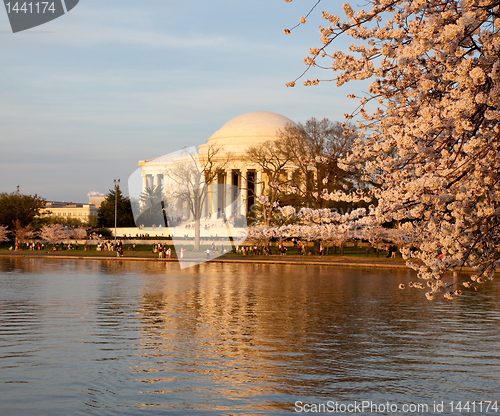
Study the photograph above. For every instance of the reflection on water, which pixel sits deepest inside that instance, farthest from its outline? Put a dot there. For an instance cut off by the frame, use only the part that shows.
(120, 337)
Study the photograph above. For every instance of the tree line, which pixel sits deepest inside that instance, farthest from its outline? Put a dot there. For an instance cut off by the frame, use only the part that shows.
(22, 217)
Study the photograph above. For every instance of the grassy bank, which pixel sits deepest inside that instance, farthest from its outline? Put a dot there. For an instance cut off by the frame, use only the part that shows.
(355, 254)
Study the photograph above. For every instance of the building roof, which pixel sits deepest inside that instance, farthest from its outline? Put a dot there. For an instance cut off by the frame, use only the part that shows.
(259, 119)
(59, 204)
(247, 130)
(234, 137)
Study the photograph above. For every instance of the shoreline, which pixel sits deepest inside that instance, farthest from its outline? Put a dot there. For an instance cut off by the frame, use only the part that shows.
(274, 260)
(291, 260)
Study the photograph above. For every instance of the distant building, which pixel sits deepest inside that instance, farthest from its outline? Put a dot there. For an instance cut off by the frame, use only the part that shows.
(82, 212)
(96, 200)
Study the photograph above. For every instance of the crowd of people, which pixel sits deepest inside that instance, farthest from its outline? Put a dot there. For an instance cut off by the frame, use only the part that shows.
(164, 252)
(29, 246)
(110, 246)
(253, 250)
(40, 246)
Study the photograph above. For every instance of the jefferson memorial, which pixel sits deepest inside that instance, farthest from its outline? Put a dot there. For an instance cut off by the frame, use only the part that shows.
(232, 141)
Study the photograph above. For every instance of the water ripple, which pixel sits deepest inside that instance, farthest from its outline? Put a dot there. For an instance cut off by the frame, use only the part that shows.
(82, 337)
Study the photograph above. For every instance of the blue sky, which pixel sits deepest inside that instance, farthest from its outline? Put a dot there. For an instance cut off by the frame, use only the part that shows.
(84, 97)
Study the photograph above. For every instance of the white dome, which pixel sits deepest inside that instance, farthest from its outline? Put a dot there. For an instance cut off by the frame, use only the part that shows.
(247, 130)
(257, 119)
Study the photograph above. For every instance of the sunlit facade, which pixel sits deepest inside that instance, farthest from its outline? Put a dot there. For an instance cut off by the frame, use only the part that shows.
(67, 210)
(230, 144)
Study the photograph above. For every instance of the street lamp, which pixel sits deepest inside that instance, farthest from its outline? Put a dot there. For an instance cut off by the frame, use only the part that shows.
(117, 183)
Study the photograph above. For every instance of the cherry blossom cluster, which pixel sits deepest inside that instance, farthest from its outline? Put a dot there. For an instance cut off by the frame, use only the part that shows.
(429, 136)
(54, 233)
(4, 233)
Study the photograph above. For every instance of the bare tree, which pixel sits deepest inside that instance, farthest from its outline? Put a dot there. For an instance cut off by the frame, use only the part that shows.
(272, 157)
(311, 152)
(190, 176)
(315, 149)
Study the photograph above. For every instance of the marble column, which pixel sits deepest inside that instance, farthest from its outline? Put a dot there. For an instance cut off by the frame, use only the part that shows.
(244, 191)
(157, 180)
(212, 196)
(212, 202)
(228, 193)
(144, 183)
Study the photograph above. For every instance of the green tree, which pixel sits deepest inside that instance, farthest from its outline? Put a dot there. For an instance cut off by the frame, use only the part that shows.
(155, 213)
(18, 207)
(106, 213)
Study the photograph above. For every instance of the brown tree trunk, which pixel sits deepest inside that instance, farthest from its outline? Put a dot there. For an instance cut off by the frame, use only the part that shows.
(197, 226)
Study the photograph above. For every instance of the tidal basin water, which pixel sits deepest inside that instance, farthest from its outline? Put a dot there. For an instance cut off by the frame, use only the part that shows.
(130, 338)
